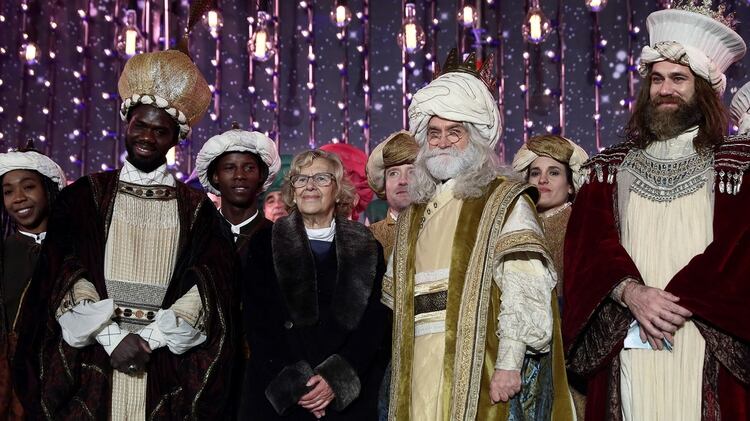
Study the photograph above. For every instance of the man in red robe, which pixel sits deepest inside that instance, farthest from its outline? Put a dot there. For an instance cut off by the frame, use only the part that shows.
(655, 256)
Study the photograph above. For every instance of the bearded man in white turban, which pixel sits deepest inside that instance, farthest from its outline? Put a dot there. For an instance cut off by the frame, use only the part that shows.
(470, 281)
(656, 254)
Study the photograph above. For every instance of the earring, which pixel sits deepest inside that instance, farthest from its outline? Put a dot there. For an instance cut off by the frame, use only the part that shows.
(337, 200)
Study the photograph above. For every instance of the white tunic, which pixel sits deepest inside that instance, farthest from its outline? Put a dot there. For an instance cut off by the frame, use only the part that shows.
(661, 237)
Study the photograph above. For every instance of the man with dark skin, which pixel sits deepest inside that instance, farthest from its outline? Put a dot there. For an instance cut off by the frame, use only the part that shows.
(136, 283)
(149, 135)
(238, 166)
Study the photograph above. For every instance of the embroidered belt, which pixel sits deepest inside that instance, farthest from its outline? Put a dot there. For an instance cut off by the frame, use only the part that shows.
(147, 192)
(427, 303)
(137, 304)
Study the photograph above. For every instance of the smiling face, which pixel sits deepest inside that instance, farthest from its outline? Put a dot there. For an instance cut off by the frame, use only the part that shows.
(551, 179)
(314, 200)
(672, 84)
(25, 199)
(239, 178)
(149, 135)
(396, 186)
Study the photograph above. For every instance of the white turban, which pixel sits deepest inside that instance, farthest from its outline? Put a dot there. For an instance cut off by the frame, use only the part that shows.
(236, 140)
(740, 109)
(32, 160)
(695, 40)
(456, 96)
(556, 147)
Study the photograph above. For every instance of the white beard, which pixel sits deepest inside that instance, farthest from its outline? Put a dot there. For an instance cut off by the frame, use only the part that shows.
(445, 164)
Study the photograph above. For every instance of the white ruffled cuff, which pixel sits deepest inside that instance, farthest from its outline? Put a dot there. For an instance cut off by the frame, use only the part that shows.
(82, 323)
(173, 332)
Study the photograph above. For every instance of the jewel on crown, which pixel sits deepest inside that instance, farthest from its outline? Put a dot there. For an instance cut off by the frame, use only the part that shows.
(486, 73)
(704, 8)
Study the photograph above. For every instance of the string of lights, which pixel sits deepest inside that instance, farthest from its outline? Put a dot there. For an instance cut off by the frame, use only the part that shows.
(598, 45)
(50, 82)
(308, 33)
(341, 15)
(364, 49)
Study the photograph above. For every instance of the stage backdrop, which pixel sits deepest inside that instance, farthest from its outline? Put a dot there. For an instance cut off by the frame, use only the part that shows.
(324, 83)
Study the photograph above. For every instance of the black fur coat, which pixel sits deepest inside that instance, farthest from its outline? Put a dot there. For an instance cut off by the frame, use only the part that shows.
(308, 314)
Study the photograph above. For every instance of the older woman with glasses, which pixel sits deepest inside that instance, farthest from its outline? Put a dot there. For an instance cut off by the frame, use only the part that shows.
(318, 334)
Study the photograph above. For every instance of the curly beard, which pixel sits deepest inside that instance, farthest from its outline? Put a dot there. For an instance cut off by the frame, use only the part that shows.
(445, 164)
(666, 124)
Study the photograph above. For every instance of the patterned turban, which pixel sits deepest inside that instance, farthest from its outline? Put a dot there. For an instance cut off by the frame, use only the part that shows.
(399, 148)
(556, 147)
(456, 96)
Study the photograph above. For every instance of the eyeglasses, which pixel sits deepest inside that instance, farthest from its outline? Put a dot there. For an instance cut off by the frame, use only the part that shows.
(454, 135)
(321, 179)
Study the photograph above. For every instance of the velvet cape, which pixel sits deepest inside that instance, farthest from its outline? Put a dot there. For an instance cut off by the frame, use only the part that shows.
(713, 286)
(57, 381)
(471, 344)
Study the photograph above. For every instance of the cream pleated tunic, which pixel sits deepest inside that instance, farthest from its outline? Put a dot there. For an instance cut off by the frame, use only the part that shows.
(139, 259)
(661, 237)
(525, 319)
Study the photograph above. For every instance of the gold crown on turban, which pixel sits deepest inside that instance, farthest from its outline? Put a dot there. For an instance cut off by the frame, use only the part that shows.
(399, 148)
(704, 8)
(486, 73)
(168, 80)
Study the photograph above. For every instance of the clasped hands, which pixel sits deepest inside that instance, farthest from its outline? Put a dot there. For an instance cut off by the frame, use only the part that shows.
(657, 312)
(131, 355)
(317, 399)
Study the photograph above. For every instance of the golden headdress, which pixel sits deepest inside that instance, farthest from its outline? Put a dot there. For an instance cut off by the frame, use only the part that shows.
(558, 148)
(168, 80)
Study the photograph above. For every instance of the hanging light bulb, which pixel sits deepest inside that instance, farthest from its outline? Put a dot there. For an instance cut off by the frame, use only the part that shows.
(340, 14)
(596, 5)
(130, 41)
(536, 26)
(261, 47)
(412, 37)
(30, 53)
(212, 20)
(467, 16)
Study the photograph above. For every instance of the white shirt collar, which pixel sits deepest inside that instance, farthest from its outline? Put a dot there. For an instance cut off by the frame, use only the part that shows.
(38, 238)
(158, 177)
(236, 228)
(322, 234)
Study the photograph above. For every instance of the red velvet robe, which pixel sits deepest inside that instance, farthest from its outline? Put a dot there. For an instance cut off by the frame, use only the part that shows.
(56, 381)
(714, 286)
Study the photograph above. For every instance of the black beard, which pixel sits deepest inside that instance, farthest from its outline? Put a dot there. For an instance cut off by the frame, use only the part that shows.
(666, 124)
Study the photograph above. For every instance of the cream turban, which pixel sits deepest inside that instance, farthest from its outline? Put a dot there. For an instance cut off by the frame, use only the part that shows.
(32, 160)
(168, 80)
(695, 40)
(740, 109)
(237, 140)
(456, 96)
(556, 147)
(399, 148)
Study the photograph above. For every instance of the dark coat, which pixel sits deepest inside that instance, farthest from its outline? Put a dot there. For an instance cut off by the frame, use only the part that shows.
(57, 381)
(307, 313)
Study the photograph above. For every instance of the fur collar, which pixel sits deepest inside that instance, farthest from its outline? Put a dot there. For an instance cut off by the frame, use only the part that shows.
(357, 262)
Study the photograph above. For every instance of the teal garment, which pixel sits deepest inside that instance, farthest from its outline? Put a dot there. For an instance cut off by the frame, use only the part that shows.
(534, 403)
(376, 211)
